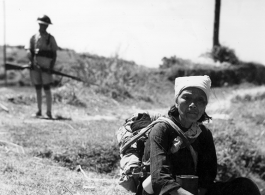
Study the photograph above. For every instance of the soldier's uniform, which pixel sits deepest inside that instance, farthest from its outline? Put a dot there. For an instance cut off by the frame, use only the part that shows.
(42, 49)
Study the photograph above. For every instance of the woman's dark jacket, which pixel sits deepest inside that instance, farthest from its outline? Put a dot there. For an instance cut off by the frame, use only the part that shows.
(164, 166)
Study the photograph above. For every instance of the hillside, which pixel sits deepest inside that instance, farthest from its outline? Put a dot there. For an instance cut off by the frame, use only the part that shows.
(113, 77)
(43, 156)
(93, 69)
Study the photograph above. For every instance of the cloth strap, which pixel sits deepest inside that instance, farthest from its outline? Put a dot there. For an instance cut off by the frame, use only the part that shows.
(174, 126)
(184, 139)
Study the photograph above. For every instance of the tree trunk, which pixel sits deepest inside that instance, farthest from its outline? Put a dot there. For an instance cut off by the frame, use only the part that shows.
(216, 23)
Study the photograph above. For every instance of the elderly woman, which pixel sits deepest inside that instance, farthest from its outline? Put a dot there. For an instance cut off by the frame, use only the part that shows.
(170, 156)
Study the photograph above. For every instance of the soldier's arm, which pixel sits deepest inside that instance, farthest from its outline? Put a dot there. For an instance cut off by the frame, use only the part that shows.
(54, 48)
(30, 50)
(53, 60)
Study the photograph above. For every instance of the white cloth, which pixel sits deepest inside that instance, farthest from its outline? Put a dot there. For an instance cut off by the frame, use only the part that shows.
(193, 132)
(201, 82)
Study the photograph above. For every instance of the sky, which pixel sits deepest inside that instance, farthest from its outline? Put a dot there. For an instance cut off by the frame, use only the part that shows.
(143, 31)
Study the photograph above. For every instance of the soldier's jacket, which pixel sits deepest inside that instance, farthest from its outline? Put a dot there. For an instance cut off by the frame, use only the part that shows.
(43, 47)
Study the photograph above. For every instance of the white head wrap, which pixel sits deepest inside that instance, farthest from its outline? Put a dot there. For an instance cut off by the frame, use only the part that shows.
(201, 82)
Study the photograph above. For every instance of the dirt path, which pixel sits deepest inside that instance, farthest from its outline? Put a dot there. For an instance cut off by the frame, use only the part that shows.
(21, 112)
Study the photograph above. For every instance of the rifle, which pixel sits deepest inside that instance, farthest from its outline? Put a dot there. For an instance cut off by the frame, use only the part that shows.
(13, 66)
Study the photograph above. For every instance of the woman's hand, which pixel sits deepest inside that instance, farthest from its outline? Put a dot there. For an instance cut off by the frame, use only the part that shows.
(202, 191)
(180, 191)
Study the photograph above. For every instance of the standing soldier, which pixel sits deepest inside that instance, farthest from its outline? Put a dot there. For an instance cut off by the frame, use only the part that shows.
(42, 54)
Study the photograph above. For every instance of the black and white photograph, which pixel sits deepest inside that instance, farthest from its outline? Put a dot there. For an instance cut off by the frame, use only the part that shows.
(132, 97)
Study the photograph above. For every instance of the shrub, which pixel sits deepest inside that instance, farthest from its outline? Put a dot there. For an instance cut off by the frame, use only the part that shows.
(249, 97)
(68, 94)
(224, 54)
(98, 158)
(237, 156)
(117, 78)
(173, 61)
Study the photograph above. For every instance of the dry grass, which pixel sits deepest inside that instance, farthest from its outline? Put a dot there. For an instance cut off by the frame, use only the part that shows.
(239, 137)
(89, 126)
(88, 116)
(24, 174)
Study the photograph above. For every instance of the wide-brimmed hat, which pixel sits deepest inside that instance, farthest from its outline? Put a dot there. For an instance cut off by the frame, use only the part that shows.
(44, 20)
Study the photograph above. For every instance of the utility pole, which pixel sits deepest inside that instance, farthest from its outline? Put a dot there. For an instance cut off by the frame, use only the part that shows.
(217, 11)
(4, 46)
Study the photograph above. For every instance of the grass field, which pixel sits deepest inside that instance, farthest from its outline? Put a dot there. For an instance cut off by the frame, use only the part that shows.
(40, 156)
(26, 144)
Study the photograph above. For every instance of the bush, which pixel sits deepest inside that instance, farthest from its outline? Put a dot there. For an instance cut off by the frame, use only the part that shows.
(222, 76)
(98, 158)
(174, 61)
(237, 156)
(116, 78)
(224, 54)
(68, 94)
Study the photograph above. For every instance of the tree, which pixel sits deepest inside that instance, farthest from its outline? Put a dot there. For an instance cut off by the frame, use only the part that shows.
(219, 52)
(216, 23)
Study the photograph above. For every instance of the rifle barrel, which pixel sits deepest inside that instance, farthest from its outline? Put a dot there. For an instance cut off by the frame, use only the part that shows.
(66, 75)
(13, 66)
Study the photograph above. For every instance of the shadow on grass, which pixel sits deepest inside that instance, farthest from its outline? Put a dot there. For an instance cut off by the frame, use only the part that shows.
(57, 118)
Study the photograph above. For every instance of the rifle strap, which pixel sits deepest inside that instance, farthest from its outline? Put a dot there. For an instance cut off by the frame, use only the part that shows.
(48, 40)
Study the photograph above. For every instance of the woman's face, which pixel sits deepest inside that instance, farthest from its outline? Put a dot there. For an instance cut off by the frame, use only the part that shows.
(191, 104)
